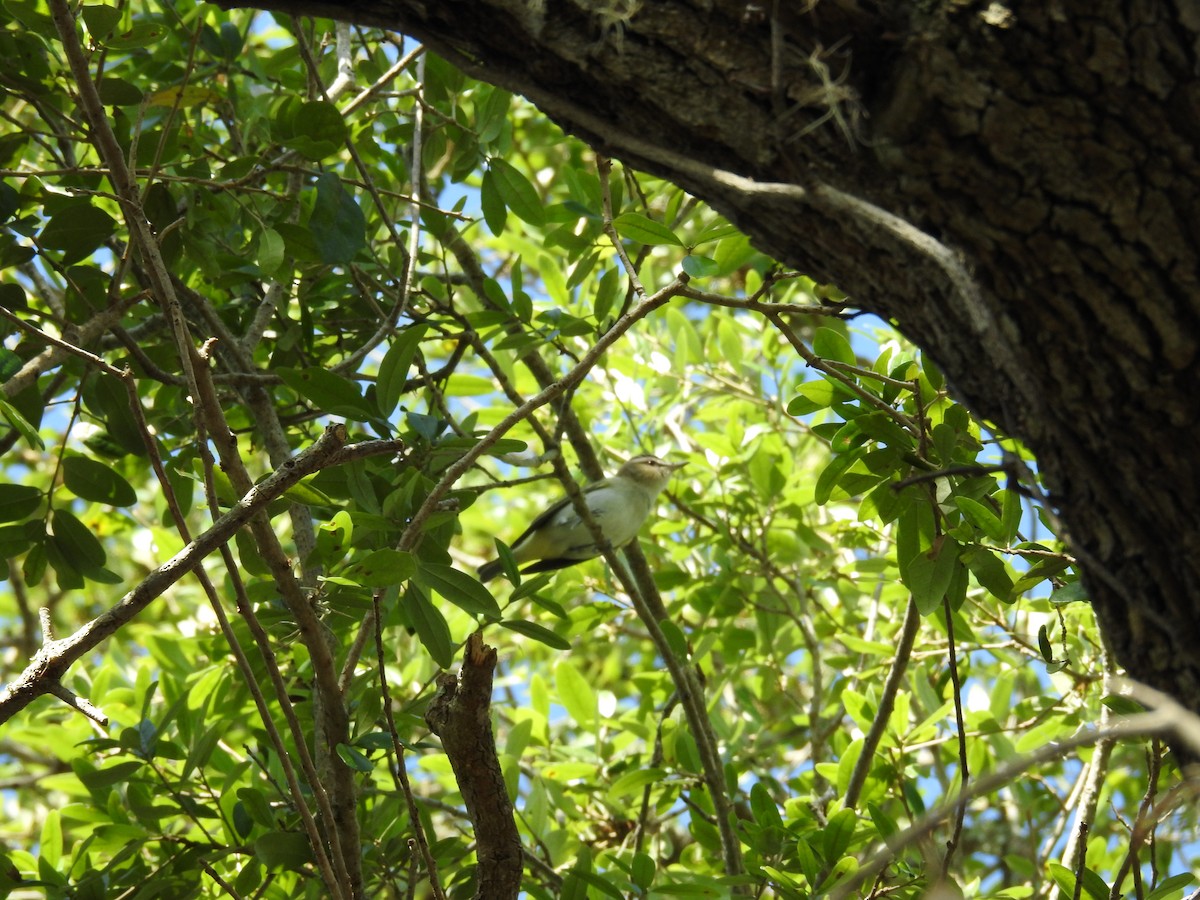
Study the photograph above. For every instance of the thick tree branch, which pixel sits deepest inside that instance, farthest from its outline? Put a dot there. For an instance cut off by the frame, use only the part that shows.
(460, 716)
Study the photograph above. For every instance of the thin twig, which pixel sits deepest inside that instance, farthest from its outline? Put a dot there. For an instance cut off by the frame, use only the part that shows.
(400, 772)
(964, 772)
(891, 686)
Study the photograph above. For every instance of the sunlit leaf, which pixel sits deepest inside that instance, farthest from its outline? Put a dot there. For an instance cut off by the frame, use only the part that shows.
(518, 194)
(637, 227)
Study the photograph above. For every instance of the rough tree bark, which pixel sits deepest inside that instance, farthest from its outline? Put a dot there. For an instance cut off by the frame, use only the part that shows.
(1049, 145)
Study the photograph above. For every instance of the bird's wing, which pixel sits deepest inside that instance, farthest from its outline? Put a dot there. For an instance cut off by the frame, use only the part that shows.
(551, 512)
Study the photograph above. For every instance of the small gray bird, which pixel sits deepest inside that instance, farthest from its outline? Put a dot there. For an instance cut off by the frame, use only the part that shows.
(558, 538)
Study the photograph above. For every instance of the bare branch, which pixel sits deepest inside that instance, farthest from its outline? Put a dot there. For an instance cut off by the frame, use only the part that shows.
(459, 715)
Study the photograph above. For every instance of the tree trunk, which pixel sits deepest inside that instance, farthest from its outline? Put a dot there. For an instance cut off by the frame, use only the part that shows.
(1049, 146)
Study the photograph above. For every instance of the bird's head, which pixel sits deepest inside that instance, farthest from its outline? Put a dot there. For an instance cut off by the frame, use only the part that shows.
(649, 471)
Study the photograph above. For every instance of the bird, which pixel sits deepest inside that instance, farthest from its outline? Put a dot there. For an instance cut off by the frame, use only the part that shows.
(558, 537)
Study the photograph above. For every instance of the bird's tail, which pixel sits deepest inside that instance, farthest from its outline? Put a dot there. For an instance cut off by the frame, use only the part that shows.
(490, 570)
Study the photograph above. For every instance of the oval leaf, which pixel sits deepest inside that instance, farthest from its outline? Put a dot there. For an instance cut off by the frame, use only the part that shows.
(637, 227)
(338, 225)
(517, 192)
(459, 588)
(538, 633)
(430, 626)
(78, 545)
(17, 501)
(329, 392)
(92, 480)
(383, 568)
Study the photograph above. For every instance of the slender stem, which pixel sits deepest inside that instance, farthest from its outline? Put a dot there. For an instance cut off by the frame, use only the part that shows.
(400, 773)
(908, 635)
(963, 764)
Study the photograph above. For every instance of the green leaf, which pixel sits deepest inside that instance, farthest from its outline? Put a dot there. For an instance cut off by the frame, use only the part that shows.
(1093, 885)
(538, 633)
(283, 850)
(636, 227)
(607, 291)
(830, 344)
(576, 695)
(838, 833)
(271, 255)
(832, 474)
(78, 545)
(338, 225)
(328, 391)
(633, 781)
(50, 845)
(990, 571)
(383, 568)
(763, 808)
(22, 425)
(314, 129)
(930, 573)
(1012, 509)
(12, 298)
(495, 213)
(303, 492)
(819, 393)
(393, 371)
(700, 267)
(982, 517)
(430, 625)
(1073, 592)
(1041, 570)
(116, 773)
(603, 885)
(1169, 885)
(355, 758)
(642, 871)
(1044, 646)
(140, 35)
(100, 20)
(77, 230)
(491, 115)
(518, 194)
(334, 536)
(33, 568)
(459, 588)
(118, 92)
(92, 480)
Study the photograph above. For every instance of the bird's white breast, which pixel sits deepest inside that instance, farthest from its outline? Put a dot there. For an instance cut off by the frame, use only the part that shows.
(618, 508)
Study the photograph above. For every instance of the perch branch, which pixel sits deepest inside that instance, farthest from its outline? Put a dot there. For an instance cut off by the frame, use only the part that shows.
(459, 715)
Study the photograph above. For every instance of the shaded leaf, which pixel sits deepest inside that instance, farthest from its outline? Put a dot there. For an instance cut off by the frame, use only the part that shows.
(92, 480)
(383, 568)
(283, 850)
(459, 588)
(430, 625)
(17, 501)
(77, 230)
(393, 371)
(337, 223)
(76, 541)
(328, 391)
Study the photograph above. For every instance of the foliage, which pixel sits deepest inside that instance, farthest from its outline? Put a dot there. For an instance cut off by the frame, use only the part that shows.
(304, 259)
